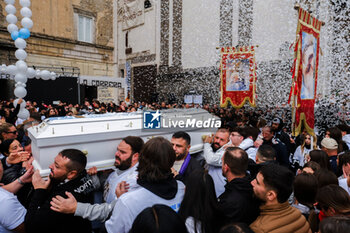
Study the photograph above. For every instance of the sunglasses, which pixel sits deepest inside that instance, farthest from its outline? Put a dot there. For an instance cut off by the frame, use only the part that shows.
(14, 132)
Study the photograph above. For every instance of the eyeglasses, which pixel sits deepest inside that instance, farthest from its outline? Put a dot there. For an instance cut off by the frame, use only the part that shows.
(14, 132)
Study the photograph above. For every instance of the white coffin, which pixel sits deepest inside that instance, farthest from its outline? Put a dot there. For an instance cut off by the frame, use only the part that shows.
(99, 135)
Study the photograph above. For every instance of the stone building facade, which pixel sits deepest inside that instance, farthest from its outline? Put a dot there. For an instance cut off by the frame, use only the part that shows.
(73, 38)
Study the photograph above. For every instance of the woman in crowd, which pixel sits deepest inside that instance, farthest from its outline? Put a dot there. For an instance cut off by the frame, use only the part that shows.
(12, 162)
(199, 206)
(320, 157)
(336, 134)
(300, 155)
(333, 200)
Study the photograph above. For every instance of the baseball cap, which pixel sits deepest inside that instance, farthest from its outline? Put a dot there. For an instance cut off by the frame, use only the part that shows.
(329, 143)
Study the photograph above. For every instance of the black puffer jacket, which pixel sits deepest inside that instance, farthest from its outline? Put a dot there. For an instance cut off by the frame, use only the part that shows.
(237, 203)
(40, 218)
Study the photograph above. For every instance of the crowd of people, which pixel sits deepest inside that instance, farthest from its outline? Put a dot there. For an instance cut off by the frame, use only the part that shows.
(251, 176)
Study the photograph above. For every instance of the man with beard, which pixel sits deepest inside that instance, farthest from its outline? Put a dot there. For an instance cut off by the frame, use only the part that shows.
(213, 151)
(126, 161)
(67, 175)
(184, 164)
(125, 175)
(273, 186)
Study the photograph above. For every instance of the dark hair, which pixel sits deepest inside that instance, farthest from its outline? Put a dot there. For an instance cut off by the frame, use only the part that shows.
(344, 159)
(336, 134)
(320, 157)
(266, 153)
(241, 131)
(183, 135)
(200, 201)
(237, 160)
(313, 165)
(136, 143)
(335, 224)
(344, 128)
(278, 178)
(236, 228)
(4, 128)
(270, 129)
(253, 132)
(334, 196)
(5, 146)
(156, 159)
(77, 159)
(325, 177)
(158, 219)
(305, 188)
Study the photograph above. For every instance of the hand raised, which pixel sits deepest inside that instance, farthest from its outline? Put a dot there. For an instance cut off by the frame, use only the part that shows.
(38, 182)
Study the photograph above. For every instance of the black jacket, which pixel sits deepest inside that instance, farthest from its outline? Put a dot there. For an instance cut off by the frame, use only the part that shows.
(192, 166)
(237, 203)
(40, 218)
(282, 156)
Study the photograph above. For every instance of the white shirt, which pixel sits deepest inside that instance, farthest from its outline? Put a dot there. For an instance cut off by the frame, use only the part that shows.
(129, 175)
(249, 143)
(344, 185)
(130, 204)
(12, 213)
(214, 161)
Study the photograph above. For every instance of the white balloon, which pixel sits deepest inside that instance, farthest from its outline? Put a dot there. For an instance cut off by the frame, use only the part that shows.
(23, 114)
(10, 9)
(45, 74)
(23, 104)
(20, 92)
(11, 18)
(24, 3)
(31, 72)
(20, 54)
(26, 12)
(11, 69)
(19, 84)
(12, 27)
(53, 75)
(21, 78)
(10, 2)
(27, 22)
(21, 66)
(38, 74)
(3, 69)
(20, 43)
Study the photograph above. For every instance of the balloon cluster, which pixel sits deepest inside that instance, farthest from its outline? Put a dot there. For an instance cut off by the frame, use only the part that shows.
(20, 72)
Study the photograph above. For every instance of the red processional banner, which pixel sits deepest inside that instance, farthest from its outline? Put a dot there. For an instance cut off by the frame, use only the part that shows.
(238, 76)
(305, 72)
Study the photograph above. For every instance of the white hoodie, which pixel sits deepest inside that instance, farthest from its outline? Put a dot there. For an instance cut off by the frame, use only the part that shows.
(130, 204)
(249, 143)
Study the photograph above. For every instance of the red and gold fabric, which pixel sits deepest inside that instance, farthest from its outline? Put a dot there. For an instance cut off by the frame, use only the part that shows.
(305, 73)
(238, 76)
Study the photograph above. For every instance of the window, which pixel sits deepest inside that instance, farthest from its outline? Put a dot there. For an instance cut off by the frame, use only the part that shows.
(85, 28)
